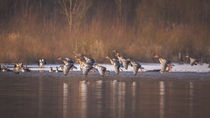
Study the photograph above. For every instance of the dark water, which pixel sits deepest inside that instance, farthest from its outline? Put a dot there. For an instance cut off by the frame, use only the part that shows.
(48, 96)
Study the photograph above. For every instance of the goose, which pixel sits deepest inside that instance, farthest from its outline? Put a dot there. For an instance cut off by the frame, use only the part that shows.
(4, 68)
(115, 63)
(164, 64)
(68, 64)
(42, 62)
(25, 69)
(17, 68)
(136, 66)
(57, 70)
(193, 61)
(85, 67)
(86, 63)
(89, 60)
(101, 69)
(123, 61)
(51, 70)
(79, 59)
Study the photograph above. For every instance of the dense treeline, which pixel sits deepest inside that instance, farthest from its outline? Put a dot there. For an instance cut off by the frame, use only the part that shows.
(32, 29)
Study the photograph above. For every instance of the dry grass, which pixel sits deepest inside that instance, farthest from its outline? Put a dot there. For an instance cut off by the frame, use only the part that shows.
(28, 37)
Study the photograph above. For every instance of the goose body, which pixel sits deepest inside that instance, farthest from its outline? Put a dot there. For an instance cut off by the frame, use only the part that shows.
(57, 70)
(123, 61)
(136, 66)
(25, 69)
(115, 62)
(101, 69)
(42, 62)
(4, 68)
(89, 60)
(17, 67)
(193, 61)
(68, 64)
(86, 63)
(85, 67)
(51, 70)
(164, 64)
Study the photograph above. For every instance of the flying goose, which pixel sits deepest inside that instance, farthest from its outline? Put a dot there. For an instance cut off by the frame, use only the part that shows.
(86, 63)
(164, 65)
(85, 67)
(136, 66)
(68, 64)
(89, 60)
(193, 61)
(115, 63)
(101, 69)
(123, 61)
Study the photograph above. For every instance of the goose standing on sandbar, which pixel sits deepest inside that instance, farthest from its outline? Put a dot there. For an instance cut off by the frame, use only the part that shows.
(42, 62)
(101, 69)
(68, 64)
(57, 70)
(115, 62)
(136, 66)
(193, 61)
(123, 61)
(25, 69)
(4, 68)
(51, 70)
(17, 68)
(164, 65)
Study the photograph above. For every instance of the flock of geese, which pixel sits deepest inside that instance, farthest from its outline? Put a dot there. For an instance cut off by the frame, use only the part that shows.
(88, 65)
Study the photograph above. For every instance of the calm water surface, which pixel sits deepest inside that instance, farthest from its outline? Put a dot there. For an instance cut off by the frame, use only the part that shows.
(69, 97)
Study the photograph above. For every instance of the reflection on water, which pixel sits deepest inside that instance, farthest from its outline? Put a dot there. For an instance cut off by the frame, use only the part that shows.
(191, 99)
(162, 99)
(65, 98)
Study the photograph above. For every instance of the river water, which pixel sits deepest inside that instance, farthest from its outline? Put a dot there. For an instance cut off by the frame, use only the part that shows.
(49, 96)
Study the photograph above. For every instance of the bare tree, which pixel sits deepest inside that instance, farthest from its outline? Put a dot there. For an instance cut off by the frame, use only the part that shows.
(119, 8)
(75, 11)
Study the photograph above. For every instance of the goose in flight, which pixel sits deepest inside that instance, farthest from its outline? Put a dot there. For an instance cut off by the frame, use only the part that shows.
(86, 63)
(89, 60)
(101, 69)
(164, 65)
(123, 61)
(115, 63)
(42, 62)
(193, 61)
(136, 66)
(85, 67)
(68, 64)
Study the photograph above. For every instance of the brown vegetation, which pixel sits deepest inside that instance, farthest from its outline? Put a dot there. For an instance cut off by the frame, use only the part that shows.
(35, 29)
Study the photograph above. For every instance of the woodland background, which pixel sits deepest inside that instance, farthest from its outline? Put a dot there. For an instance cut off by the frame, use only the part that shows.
(33, 29)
